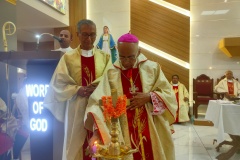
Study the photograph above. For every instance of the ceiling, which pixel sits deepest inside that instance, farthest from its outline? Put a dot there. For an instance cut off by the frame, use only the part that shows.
(212, 20)
(31, 22)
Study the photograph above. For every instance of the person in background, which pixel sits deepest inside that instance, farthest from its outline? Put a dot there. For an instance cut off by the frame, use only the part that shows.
(107, 44)
(229, 86)
(21, 106)
(8, 129)
(75, 78)
(6, 142)
(66, 38)
(181, 93)
(153, 105)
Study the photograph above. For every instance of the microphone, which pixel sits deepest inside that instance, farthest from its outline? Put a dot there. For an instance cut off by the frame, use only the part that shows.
(55, 37)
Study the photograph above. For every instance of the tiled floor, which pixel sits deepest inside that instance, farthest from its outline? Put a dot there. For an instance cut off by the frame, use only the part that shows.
(193, 142)
(196, 142)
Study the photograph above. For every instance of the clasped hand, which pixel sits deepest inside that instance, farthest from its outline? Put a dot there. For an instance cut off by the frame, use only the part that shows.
(86, 91)
(139, 99)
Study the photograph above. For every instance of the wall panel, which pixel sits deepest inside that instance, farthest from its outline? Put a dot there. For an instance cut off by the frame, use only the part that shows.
(185, 4)
(77, 11)
(169, 68)
(165, 30)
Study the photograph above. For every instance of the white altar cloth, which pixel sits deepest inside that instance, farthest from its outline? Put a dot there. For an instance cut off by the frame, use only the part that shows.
(225, 116)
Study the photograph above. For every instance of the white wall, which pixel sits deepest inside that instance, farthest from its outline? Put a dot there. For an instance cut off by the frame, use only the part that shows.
(207, 31)
(112, 13)
(49, 11)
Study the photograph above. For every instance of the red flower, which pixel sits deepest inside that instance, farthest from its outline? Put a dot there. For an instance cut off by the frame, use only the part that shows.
(110, 111)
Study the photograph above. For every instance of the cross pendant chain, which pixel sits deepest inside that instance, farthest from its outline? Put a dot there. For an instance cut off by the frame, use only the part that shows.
(133, 88)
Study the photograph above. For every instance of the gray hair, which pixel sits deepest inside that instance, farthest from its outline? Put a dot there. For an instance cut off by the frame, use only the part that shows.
(84, 22)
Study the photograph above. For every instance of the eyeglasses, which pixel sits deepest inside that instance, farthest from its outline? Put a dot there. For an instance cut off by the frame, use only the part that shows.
(131, 58)
(86, 35)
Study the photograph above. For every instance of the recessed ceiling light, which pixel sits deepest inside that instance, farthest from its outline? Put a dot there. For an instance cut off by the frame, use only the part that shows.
(217, 12)
(221, 11)
(205, 13)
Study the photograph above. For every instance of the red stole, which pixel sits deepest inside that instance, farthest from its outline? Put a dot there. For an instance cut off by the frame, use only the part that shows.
(88, 70)
(88, 76)
(175, 88)
(230, 88)
(132, 124)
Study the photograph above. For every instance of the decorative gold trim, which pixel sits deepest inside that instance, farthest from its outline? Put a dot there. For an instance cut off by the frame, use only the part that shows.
(221, 46)
(12, 1)
(230, 46)
(11, 29)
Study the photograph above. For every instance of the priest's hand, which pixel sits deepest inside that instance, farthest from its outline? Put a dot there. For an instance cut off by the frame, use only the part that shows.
(227, 95)
(139, 99)
(86, 91)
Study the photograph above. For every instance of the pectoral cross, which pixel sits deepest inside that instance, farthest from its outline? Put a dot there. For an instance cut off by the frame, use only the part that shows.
(133, 88)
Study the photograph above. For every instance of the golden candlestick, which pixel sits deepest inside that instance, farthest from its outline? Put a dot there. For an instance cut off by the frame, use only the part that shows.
(114, 150)
(114, 146)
